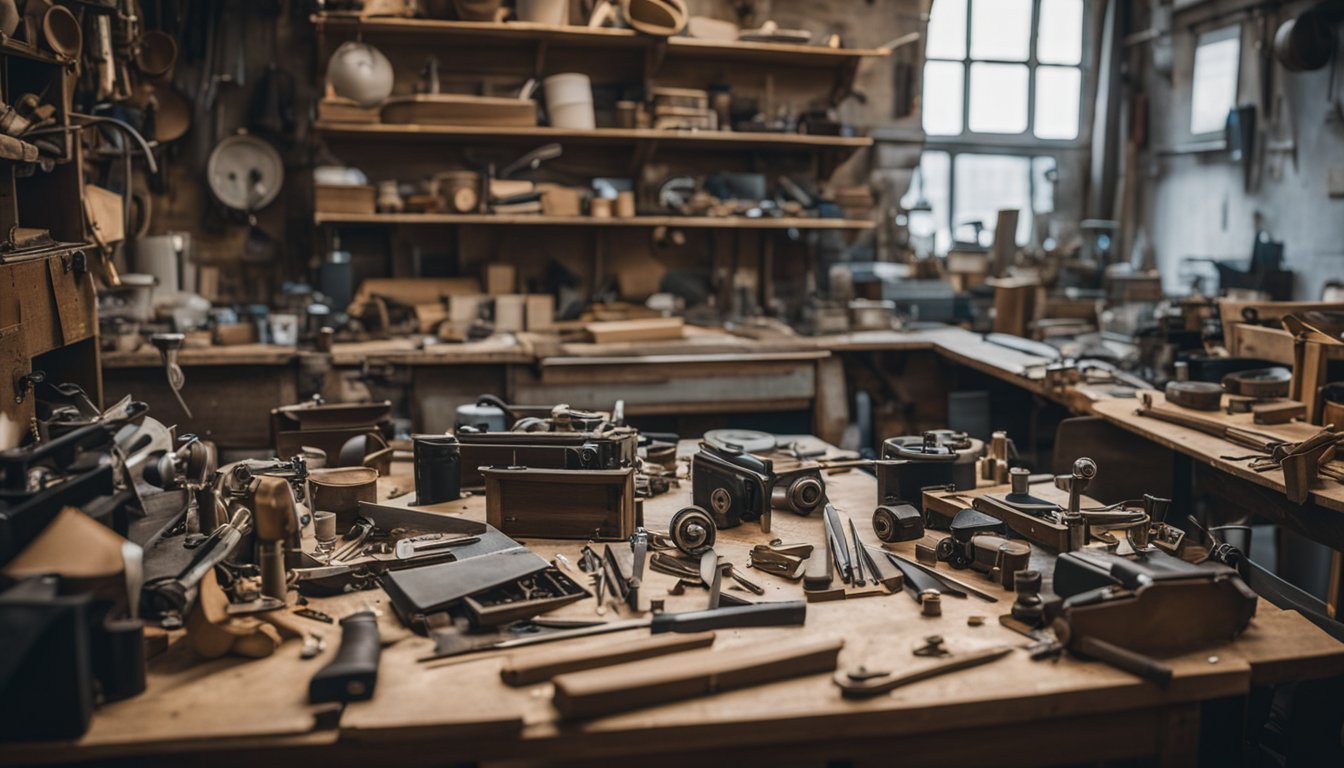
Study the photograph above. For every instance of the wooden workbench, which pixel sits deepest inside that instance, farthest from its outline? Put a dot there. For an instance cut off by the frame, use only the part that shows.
(1222, 467)
(457, 710)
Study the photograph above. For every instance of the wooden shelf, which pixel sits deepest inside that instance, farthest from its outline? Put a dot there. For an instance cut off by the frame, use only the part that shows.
(536, 220)
(782, 54)
(717, 140)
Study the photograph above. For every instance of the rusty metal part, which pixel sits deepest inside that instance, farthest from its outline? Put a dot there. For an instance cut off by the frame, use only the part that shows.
(777, 561)
(862, 682)
(926, 555)
(931, 603)
(933, 646)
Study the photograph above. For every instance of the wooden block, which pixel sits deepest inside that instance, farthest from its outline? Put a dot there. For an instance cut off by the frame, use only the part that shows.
(561, 503)
(543, 664)
(561, 201)
(645, 683)
(650, 329)
(463, 309)
(234, 334)
(510, 312)
(499, 278)
(344, 198)
(1278, 412)
(416, 290)
(539, 314)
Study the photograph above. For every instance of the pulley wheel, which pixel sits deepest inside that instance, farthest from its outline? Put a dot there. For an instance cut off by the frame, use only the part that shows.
(692, 531)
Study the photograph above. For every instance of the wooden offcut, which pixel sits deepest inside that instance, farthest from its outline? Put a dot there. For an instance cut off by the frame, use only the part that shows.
(643, 683)
(649, 329)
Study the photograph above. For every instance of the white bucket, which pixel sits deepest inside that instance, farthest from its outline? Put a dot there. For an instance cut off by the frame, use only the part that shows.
(569, 101)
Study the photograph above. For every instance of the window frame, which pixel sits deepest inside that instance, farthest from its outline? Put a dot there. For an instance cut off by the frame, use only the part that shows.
(1002, 143)
(956, 150)
(1024, 144)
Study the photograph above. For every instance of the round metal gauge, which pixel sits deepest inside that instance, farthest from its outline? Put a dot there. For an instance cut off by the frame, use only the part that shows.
(245, 172)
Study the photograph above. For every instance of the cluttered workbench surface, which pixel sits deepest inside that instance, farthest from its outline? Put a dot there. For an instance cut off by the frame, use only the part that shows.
(458, 707)
(1212, 438)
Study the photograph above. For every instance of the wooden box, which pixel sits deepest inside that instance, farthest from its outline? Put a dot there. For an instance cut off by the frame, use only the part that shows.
(581, 504)
(342, 198)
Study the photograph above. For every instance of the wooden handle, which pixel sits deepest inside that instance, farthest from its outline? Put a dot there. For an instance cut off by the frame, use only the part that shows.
(658, 681)
(1145, 667)
(539, 666)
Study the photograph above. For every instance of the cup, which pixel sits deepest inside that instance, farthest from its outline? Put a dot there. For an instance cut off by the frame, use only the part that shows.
(569, 101)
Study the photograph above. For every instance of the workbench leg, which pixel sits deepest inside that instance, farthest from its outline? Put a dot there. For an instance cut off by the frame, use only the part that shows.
(1182, 486)
(1334, 597)
(1178, 740)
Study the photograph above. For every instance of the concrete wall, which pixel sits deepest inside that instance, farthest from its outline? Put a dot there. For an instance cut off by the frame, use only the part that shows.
(1197, 205)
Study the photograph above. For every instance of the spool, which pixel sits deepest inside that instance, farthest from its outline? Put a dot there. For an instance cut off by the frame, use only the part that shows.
(437, 460)
(1195, 395)
(930, 603)
(1259, 383)
(625, 205)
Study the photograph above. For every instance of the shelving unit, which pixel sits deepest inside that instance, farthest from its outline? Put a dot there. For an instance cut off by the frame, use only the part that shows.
(537, 220)
(700, 140)
(495, 58)
(532, 36)
(48, 307)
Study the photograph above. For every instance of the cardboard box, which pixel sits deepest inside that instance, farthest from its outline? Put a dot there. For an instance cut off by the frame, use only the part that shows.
(499, 279)
(540, 312)
(510, 313)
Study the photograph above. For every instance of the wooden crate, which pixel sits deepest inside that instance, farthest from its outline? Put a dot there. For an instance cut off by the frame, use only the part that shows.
(342, 198)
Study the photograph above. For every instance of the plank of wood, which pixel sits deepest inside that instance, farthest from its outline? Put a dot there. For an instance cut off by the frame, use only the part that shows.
(543, 664)
(648, 329)
(596, 692)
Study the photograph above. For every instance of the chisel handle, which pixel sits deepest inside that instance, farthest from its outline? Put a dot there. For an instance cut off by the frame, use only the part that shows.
(1137, 664)
(787, 614)
(352, 674)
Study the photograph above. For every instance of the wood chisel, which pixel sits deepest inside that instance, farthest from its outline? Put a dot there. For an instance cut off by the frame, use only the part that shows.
(839, 549)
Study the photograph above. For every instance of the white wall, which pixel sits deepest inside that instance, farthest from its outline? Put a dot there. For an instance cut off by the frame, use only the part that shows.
(1197, 205)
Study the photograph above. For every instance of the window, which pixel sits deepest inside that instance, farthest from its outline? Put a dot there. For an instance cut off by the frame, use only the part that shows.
(1214, 83)
(1003, 80)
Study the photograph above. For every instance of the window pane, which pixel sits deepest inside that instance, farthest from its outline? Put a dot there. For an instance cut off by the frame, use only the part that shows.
(1057, 92)
(998, 98)
(1043, 184)
(947, 30)
(941, 100)
(987, 184)
(1060, 36)
(1215, 80)
(1001, 29)
(930, 186)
